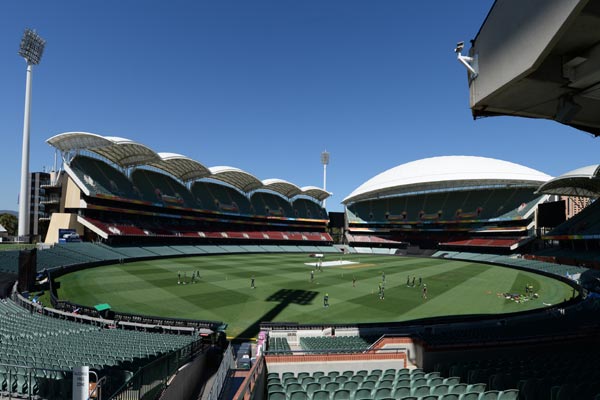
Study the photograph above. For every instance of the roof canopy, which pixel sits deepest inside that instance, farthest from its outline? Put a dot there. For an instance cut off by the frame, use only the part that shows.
(539, 59)
(583, 182)
(181, 167)
(237, 178)
(446, 173)
(126, 153)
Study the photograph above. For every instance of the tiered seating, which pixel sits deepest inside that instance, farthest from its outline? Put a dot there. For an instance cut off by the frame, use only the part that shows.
(43, 343)
(215, 197)
(556, 269)
(585, 223)
(376, 384)
(279, 346)
(334, 344)
(304, 208)
(9, 261)
(537, 376)
(101, 178)
(160, 188)
(448, 206)
(271, 205)
(355, 238)
(486, 242)
(198, 231)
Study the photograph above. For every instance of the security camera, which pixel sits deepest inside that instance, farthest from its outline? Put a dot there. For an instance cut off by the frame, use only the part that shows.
(459, 47)
(468, 62)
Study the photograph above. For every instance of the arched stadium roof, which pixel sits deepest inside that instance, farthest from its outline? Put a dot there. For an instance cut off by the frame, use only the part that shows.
(282, 187)
(584, 181)
(315, 192)
(182, 167)
(235, 177)
(446, 173)
(127, 153)
(123, 152)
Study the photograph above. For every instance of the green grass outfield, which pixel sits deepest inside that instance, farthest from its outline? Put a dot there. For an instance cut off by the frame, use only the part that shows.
(284, 292)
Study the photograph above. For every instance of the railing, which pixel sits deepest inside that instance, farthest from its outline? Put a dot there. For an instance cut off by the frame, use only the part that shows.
(26, 382)
(245, 391)
(221, 375)
(150, 380)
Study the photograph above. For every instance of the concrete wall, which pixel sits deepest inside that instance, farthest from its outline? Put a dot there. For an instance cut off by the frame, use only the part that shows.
(514, 38)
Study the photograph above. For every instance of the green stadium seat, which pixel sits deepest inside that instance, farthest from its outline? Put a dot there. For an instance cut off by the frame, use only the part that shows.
(341, 394)
(331, 386)
(382, 393)
(403, 383)
(434, 381)
(470, 396)
(362, 394)
(298, 395)
(368, 385)
(289, 380)
(452, 380)
(275, 387)
(318, 374)
(385, 384)
(459, 388)
(312, 387)
(324, 380)
(303, 375)
(449, 396)
(287, 375)
(509, 394)
(351, 385)
(418, 382)
(440, 389)
(362, 372)
(402, 392)
(420, 391)
(490, 395)
(476, 387)
(292, 387)
(321, 395)
(428, 397)
(277, 396)
(349, 374)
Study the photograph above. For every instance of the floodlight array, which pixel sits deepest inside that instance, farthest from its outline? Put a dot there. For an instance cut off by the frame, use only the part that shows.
(32, 47)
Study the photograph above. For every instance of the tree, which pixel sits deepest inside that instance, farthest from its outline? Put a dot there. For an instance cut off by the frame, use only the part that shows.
(10, 223)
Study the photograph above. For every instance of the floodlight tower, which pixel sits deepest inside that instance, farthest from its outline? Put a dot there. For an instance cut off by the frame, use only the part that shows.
(324, 161)
(32, 47)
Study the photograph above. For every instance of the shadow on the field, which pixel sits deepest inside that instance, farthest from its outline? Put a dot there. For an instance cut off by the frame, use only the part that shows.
(283, 297)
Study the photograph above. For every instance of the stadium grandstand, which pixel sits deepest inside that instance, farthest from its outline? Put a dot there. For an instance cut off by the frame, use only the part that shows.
(118, 191)
(451, 202)
(137, 218)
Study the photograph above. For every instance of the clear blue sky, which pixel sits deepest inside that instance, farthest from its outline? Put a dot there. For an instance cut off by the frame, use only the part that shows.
(264, 86)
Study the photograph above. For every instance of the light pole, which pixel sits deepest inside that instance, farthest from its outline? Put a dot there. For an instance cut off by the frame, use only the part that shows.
(324, 161)
(32, 47)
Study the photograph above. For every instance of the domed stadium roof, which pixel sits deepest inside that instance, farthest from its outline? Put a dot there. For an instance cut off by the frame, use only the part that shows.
(446, 173)
(584, 181)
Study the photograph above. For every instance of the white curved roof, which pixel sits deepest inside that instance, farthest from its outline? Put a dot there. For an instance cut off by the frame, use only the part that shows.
(446, 172)
(127, 153)
(182, 167)
(122, 152)
(584, 181)
(242, 180)
(282, 187)
(315, 192)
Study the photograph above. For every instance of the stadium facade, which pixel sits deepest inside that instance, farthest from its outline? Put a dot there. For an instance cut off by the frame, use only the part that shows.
(447, 201)
(114, 189)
